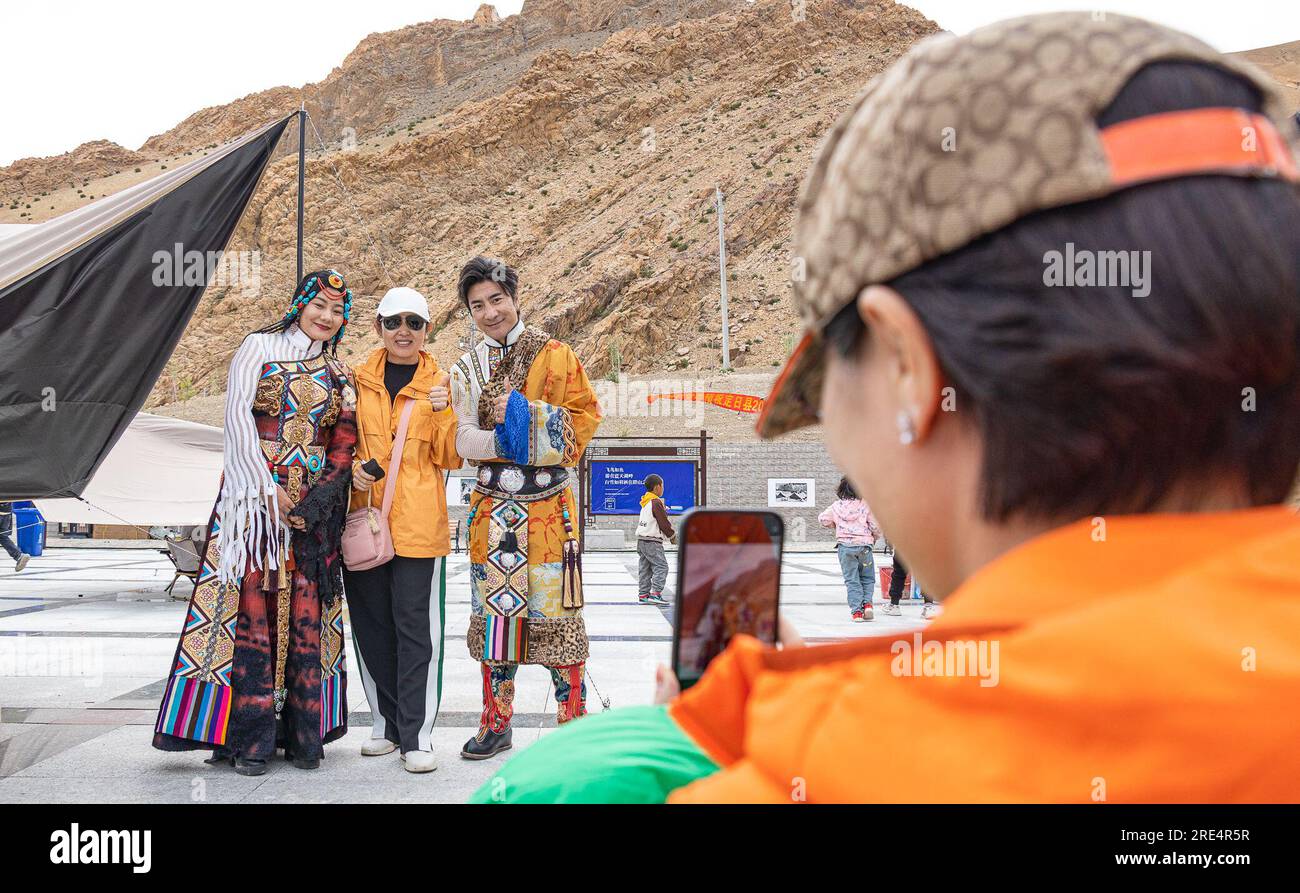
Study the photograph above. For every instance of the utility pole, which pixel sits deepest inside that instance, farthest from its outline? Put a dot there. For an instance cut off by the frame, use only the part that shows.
(722, 278)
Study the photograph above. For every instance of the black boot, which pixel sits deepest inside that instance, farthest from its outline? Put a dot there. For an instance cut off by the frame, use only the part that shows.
(486, 744)
(302, 762)
(221, 754)
(250, 767)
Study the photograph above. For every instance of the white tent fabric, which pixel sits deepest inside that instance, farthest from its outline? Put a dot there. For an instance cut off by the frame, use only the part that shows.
(161, 472)
(9, 230)
(37, 245)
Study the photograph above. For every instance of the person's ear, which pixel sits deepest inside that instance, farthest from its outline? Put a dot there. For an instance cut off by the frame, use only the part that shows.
(913, 378)
(379, 330)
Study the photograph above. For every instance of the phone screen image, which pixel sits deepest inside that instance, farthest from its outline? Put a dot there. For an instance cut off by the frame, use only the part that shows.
(729, 582)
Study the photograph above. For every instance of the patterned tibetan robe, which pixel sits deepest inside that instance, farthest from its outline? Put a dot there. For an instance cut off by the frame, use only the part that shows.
(260, 659)
(522, 513)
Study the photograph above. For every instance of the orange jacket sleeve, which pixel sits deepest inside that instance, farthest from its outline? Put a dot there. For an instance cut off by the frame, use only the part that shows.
(442, 445)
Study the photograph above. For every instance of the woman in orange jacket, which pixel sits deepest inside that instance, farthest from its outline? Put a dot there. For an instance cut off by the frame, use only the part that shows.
(1053, 339)
(397, 609)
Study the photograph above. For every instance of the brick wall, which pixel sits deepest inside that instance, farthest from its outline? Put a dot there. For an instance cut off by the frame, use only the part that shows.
(738, 474)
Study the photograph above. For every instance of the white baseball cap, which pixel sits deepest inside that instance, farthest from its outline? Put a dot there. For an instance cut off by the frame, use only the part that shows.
(404, 300)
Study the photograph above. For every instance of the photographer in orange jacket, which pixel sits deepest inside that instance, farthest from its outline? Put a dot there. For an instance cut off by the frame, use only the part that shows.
(1053, 337)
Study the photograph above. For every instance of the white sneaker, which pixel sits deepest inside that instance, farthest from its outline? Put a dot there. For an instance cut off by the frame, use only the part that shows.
(891, 610)
(931, 610)
(419, 761)
(377, 747)
(21, 562)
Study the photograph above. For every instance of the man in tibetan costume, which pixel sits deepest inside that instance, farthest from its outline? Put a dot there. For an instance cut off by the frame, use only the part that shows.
(260, 660)
(525, 412)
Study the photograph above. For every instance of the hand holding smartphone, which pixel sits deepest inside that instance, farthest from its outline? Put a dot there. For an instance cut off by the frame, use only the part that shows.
(728, 582)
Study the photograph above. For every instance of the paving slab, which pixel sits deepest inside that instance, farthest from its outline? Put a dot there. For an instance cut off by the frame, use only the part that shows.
(88, 634)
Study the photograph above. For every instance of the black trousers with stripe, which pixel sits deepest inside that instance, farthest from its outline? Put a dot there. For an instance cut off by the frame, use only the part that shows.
(397, 612)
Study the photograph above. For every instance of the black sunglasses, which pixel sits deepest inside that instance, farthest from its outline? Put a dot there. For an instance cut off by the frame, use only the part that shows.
(393, 323)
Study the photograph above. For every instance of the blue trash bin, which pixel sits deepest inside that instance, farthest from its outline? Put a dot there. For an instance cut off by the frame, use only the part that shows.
(29, 529)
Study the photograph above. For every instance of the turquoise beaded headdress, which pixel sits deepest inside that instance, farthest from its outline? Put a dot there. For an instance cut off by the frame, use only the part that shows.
(310, 287)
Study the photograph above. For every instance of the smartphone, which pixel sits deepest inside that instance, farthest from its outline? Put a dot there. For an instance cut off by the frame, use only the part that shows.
(728, 582)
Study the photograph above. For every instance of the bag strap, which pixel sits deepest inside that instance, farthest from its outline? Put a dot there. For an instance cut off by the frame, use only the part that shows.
(361, 438)
(361, 434)
(395, 463)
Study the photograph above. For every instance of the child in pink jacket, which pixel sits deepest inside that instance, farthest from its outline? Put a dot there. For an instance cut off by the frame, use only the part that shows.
(855, 532)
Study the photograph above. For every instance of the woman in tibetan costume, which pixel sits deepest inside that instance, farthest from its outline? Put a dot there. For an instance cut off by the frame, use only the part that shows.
(260, 659)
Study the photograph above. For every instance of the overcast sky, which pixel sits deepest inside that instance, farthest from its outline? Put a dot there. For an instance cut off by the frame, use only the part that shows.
(78, 70)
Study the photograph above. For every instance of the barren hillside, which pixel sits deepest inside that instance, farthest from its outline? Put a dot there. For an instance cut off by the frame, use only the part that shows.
(591, 165)
(1282, 62)
(581, 140)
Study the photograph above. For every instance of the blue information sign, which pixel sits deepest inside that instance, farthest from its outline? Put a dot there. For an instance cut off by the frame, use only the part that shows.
(617, 487)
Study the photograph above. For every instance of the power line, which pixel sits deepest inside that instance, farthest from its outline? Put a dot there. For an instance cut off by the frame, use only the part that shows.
(379, 255)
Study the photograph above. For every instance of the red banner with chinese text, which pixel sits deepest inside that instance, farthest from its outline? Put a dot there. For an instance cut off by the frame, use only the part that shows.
(737, 402)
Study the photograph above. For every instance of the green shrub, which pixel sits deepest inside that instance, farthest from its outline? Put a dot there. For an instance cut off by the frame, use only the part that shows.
(615, 362)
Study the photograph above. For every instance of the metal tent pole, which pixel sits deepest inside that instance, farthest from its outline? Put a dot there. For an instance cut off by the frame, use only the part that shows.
(302, 180)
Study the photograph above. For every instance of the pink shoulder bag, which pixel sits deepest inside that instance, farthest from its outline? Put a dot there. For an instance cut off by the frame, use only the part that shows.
(367, 541)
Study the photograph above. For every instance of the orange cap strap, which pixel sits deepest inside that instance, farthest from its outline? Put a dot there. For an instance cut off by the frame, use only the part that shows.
(1196, 141)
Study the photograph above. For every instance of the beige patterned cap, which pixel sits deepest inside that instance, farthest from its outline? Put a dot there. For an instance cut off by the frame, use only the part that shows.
(964, 135)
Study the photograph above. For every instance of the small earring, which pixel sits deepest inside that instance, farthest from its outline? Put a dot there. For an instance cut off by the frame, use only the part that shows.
(906, 428)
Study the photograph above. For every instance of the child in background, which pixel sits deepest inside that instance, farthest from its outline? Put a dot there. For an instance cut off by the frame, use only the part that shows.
(652, 529)
(928, 612)
(855, 532)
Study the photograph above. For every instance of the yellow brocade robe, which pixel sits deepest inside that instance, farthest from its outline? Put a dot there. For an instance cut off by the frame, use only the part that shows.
(524, 597)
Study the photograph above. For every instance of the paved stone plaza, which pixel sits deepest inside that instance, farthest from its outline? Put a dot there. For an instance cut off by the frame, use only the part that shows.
(87, 636)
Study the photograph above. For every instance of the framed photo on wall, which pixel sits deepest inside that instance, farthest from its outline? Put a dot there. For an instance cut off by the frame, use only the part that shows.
(791, 492)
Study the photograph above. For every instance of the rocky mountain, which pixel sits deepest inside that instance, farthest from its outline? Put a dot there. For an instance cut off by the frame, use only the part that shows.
(392, 76)
(426, 69)
(587, 156)
(33, 178)
(582, 140)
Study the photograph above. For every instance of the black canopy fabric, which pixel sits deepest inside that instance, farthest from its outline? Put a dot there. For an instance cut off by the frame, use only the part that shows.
(85, 329)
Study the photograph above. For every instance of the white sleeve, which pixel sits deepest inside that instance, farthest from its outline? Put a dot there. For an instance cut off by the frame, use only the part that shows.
(472, 442)
(248, 495)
